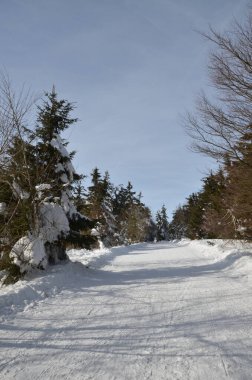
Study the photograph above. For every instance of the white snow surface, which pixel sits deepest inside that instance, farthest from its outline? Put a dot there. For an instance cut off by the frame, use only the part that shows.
(170, 310)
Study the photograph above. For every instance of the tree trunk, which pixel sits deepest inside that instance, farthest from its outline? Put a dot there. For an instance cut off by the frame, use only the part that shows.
(55, 252)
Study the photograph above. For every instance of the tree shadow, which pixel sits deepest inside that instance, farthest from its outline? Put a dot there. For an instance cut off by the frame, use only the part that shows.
(181, 273)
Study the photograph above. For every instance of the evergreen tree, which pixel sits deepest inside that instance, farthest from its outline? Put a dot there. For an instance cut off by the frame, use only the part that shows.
(195, 210)
(99, 206)
(179, 224)
(17, 208)
(162, 224)
(36, 201)
(133, 218)
(214, 221)
(122, 204)
(57, 178)
(109, 232)
(238, 196)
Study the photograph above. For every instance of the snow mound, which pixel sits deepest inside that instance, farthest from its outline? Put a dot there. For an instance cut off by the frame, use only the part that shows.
(39, 285)
(227, 254)
(220, 249)
(29, 253)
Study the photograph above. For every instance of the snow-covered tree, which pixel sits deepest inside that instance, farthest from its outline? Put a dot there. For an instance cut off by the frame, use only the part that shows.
(36, 202)
(59, 220)
(133, 218)
(99, 206)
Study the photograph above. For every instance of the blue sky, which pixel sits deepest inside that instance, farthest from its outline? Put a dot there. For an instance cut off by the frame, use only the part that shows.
(133, 68)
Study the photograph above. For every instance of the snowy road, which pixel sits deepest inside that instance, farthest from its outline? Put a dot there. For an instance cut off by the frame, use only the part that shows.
(150, 311)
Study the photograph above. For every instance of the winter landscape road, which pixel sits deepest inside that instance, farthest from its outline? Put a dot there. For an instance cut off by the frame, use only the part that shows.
(148, 311)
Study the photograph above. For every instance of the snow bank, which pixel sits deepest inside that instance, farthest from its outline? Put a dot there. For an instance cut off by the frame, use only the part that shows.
(39, 285)
(230, 254)
(219, 249)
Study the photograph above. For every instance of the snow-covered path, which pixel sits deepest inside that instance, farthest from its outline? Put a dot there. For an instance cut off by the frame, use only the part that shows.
(149, 311)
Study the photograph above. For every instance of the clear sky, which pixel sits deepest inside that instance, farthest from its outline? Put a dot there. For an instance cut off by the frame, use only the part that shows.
(133, 68)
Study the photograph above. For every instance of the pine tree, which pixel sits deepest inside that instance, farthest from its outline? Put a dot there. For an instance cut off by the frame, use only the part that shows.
(214, 221)
(162, 224)
(109, 232)
(179, 224)
(238, 197)
(17, 215)
(56, 180)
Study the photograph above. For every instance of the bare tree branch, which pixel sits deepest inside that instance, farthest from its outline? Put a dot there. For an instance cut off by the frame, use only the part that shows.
(218, 127)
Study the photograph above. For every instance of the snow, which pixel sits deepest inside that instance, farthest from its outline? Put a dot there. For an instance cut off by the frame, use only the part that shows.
(43, 186)
(59, 168)
(28, 253)
(70, 170)
(67, 205)
(58, 144)
(64, 178)
(67, 171)
(94, 232)
(67, 168)
(18, 192)
(54, 222)
(2, 208)
(167, 310)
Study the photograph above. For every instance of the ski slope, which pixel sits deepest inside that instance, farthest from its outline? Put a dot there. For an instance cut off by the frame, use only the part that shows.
(148, 311)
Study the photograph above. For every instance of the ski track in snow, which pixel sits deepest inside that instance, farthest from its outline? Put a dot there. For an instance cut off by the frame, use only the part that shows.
(148, 311)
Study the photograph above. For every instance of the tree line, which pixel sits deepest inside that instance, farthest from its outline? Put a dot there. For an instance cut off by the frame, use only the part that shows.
(44, 206)
(222, 129)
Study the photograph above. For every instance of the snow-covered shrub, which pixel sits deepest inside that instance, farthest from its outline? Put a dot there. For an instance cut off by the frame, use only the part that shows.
(29, 253)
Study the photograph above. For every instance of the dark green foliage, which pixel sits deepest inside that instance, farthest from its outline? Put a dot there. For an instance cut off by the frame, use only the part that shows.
(53, 118)
(222, 209)
(195, 210)
(80, 232)
(12, 271)
(133, 218)
(179, 224)
(162, 226)
(122, 217)
(34, 158)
